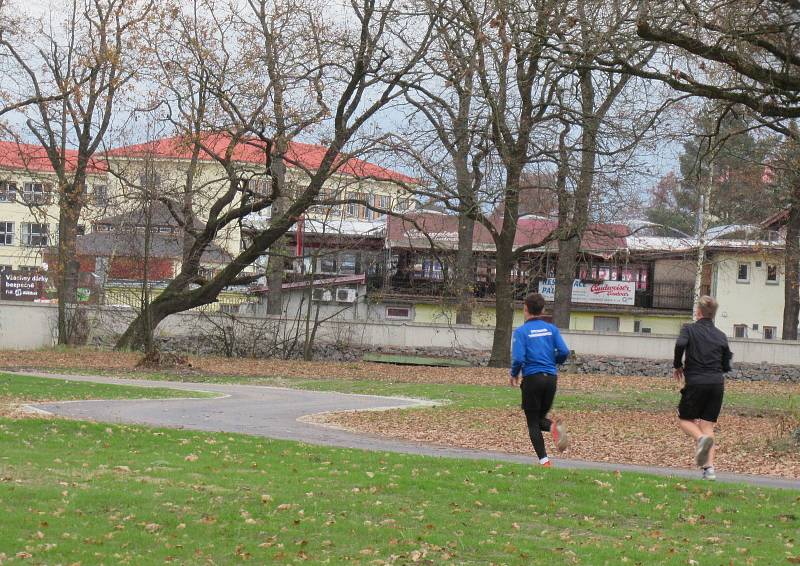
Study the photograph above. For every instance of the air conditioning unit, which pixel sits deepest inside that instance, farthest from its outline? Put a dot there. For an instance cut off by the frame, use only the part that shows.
(346, 295)
(321, 295)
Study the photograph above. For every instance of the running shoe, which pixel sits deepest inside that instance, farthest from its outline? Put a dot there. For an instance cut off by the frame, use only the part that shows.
(560, 438)
(704, 444)
(709, 473)
(548, 464)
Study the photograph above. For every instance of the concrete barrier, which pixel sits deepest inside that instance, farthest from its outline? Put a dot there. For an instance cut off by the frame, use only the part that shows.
(30, 325)
(27, 326)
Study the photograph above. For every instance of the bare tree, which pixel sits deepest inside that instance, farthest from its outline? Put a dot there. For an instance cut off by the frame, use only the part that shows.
(600, 28)
(741, 53)
(450, 141)
(77, 73)
(353, 69)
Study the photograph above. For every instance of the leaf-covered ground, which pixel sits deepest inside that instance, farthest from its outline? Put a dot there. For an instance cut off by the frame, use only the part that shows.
(749, 444)
(82, 493)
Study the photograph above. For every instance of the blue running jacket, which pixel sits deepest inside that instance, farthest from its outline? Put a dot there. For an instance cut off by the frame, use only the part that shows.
(536, 347)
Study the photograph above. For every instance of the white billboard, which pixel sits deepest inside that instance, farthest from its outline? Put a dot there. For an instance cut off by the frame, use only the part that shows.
(602, 293)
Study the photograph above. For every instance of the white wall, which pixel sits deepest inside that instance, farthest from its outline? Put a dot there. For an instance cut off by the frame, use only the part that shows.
(29, 325)
(748, 303)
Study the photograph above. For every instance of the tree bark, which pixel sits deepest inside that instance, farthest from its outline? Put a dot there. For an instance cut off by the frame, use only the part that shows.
(279, 250)
(68, 266)
(504, 311)
(565, 275)
(570, 244)
(791, 306)
(465, 272)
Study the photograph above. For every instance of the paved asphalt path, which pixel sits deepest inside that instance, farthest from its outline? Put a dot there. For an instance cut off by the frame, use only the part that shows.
(279, 413)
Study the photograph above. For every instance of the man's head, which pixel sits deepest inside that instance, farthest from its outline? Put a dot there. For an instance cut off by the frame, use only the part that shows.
(534, 304)
(706, 307)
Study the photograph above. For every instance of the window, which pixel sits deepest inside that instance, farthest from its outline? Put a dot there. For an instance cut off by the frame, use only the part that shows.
(772, 274)
(740, 331)
(327, 264)
(36, 193)
(403, 313)
(8, 191)
(432, 269)
(6, 233)
(347, 265)
(637, 325)
(100, 195)
(606, 323)
(743, 273)
(384, 202)
(363, 212)
(770, 332)
(35, 235)
(352, 208)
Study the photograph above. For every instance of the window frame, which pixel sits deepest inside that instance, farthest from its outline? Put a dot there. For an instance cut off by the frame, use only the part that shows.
(775, 281)
(408, 308)
(595, 320)
(100, 195)
(44, 231)
(8, 189)
(773, 330)
(737, 328)
(739, 266)
(37, 198)
(7, 233)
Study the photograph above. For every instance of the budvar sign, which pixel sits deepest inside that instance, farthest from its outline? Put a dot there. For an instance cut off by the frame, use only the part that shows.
(603, 293)
(22, 286)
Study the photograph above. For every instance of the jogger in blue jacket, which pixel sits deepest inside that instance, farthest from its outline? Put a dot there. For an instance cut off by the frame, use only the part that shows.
(536, 349)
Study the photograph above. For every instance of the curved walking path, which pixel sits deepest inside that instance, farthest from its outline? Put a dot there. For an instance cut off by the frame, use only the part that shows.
(279, 413)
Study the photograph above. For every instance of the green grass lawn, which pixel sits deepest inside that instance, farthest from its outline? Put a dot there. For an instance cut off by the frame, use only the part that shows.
(93, 493)
(25, 388)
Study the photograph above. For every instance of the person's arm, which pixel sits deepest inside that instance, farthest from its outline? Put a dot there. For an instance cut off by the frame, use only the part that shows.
(517, 354)
(562, 350)
(727, 355)
(680, 348)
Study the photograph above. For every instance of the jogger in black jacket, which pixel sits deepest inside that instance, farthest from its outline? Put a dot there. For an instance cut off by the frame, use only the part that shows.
(707, 359)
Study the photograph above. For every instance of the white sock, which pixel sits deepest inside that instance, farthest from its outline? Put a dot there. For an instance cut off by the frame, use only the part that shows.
(544, 460)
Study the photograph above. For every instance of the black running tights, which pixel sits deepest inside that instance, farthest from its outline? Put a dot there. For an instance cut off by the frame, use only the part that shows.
(538, 392)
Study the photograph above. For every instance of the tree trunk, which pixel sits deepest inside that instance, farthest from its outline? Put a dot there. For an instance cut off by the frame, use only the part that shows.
(791, 306)
(138, 333)
(68, 266)
(569, 246)
(278, 250)
(504, 312)
(565, 276)
(465, 272)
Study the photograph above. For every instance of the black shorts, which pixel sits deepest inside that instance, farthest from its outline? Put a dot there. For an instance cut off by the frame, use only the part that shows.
(701, 401)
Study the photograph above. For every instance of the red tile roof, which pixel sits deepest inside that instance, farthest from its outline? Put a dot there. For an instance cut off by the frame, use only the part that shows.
(32, 157)
(443, 229)
(252, 151)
